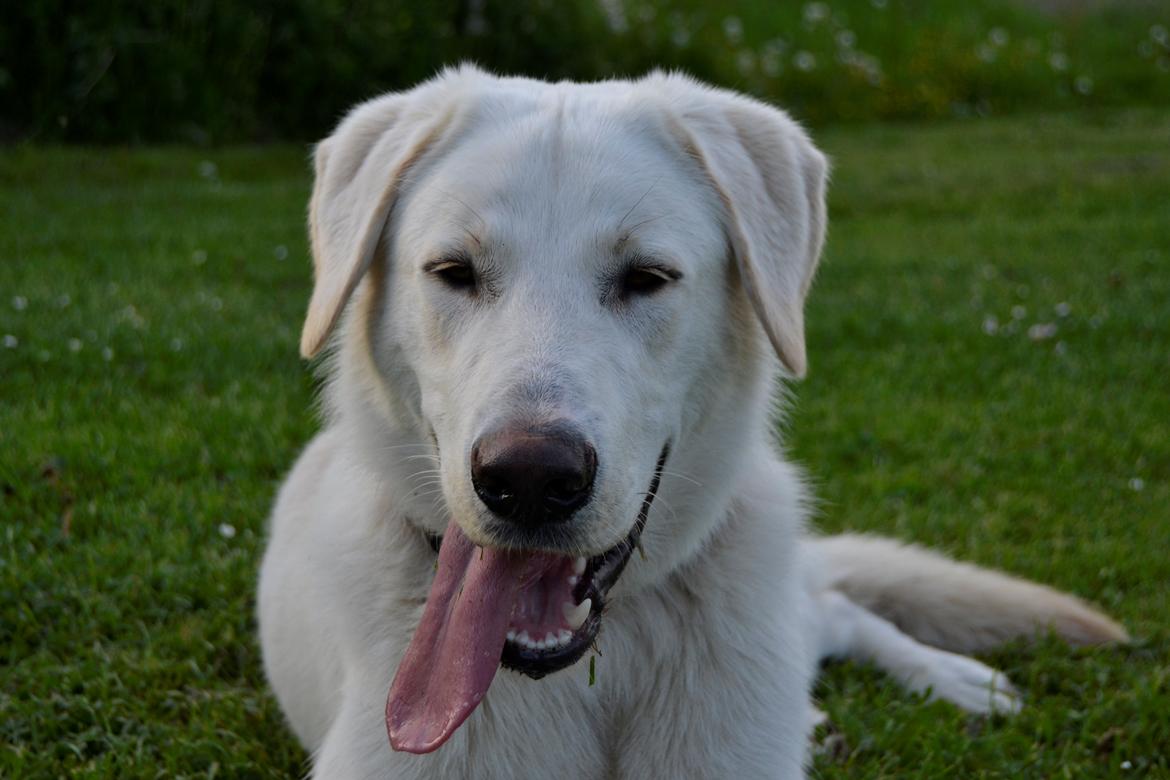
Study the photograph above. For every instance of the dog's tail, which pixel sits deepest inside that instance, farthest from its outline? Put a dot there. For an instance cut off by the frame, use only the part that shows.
(951, 605)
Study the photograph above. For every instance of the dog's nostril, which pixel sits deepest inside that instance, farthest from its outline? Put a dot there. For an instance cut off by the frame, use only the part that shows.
(563, 490)
(533, 475)
(496, 495)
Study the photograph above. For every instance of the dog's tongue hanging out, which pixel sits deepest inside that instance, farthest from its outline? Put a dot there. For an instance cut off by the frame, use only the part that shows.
(456, 649)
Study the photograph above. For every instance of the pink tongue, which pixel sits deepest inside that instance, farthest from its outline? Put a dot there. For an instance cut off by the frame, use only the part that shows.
(456, 648)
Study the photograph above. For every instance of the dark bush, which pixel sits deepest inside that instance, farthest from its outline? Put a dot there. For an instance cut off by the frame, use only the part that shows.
(228, 70)
(202, 70)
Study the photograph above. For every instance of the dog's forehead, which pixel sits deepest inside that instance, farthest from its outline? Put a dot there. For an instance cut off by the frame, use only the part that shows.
(571, 165)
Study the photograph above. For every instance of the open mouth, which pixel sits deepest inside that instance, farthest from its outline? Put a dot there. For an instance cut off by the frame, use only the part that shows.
(532, 612)
(558, 616)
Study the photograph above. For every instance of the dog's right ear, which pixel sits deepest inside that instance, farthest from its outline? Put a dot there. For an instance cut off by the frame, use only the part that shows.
(359, 171)
(771, 180)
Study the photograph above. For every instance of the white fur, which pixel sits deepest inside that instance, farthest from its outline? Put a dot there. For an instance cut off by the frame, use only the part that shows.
(709, 645)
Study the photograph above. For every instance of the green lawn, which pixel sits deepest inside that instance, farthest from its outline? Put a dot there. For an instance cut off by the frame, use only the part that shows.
(151, 398)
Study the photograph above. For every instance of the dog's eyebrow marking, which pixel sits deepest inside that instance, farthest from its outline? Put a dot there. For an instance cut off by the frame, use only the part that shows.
(637, 203)
(474, 238)
(465, 205)
(626, 236)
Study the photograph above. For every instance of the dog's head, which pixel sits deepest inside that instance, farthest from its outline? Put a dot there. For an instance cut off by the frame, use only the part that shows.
(563, 291)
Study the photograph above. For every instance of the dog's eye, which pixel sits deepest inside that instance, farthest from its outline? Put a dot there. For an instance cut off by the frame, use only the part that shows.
(646, 280)
(454, 272)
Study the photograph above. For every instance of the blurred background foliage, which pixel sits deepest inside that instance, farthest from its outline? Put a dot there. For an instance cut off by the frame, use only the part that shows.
(218, 71)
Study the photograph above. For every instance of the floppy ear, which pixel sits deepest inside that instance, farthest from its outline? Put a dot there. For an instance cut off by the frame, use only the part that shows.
(359, 170)
(771, 180)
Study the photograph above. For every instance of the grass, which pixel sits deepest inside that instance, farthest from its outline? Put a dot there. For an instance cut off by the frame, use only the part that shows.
(151, 398)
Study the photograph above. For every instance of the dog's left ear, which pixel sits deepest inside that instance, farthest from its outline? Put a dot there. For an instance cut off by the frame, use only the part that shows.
(359, 171)
(771, 180)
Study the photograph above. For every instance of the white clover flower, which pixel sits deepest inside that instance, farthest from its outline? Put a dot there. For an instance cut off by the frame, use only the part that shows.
(998, 36)
(815, 12)
(1042, 331)
(804, 60)
(10, 341)
(19, 302)
(615, 16)
(130, 314)
(227, 531)
(733, 29)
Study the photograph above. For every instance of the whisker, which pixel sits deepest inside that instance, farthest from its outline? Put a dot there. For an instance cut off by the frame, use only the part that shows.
(434, 458)
(680, 475)
(424, 492)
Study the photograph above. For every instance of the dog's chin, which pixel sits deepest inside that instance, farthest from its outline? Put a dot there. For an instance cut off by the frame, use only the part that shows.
(559, 612)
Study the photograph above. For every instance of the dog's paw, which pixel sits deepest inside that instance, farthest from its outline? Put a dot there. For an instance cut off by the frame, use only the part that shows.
(967, 683)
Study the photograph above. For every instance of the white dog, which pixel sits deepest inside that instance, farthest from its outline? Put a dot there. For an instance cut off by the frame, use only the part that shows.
(545, 532)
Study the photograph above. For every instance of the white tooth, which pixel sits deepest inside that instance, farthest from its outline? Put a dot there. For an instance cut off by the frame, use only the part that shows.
(579, 566)
(575, 615)
(523, 639)
(540, 645)
(511, 635)
(574, 580)
(550, 640)
(564, 636)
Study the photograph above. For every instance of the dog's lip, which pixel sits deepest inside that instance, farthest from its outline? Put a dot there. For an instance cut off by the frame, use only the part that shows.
(601, 573)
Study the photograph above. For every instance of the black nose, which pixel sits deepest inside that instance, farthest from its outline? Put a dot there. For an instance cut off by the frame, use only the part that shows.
(533, 476)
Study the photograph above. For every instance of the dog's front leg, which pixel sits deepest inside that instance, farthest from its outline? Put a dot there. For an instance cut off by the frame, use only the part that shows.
(357, 748)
